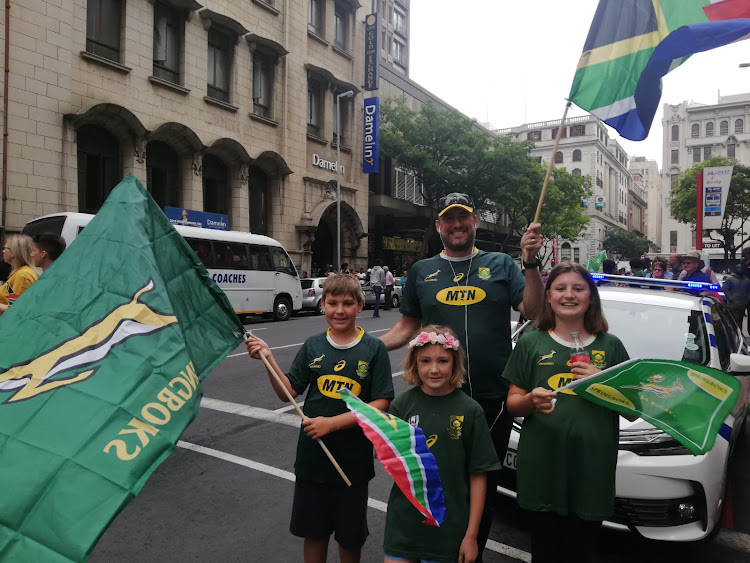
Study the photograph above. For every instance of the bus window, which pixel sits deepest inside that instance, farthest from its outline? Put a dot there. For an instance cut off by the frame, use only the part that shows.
(203, 249)
(48, 225)
(282, 262)
(231, 255)
(260, 258)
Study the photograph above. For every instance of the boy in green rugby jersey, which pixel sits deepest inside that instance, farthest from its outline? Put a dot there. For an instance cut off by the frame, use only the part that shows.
(344, 355)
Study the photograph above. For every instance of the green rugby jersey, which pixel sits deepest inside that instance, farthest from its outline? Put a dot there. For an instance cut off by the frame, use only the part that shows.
(322, 368)
(445, 292)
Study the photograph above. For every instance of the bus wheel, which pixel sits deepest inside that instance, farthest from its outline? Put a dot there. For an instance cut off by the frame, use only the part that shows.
(282, 309)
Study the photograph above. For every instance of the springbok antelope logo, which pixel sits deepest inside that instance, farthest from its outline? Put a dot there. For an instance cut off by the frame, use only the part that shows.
(128, 320)
(316, 361)
(432, 276)
(547, 356)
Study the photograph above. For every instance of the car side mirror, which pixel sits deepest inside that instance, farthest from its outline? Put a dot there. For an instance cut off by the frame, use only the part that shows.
(739, 364)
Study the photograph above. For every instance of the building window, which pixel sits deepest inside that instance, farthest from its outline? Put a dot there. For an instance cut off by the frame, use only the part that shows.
(314, 107)
(103, 28)
(565, 251)
(675, 132)
(168, 25)
(558, 157)
(399, 52)
(724, 128)
(344, 119)
(216, 192)
(341, 30)
(673, 241)
(706, 153)
(673, 178)
(675, 157)
(539, 159)
(696, 155)
(315, 17)
(576, 254)
(576, 172)
(220, 52)
(399, 22)
(577, 130)
(695, 131)
(99, 167)
(534, 135)
(556, 129)
(709, 129)
(576, 155)
(730, 150)
(739, 126)
(263, 67)
(163, 174)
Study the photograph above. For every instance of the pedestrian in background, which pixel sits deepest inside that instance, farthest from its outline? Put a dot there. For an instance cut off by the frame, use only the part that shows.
(17, 253)
(323, 504)
(567, 454)
(674, 264)
(403, 279)
(737, 288)
(377, 282)
(389, 283)
(45, 249)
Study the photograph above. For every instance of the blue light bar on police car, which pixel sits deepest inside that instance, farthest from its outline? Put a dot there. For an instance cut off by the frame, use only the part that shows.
(654, 282)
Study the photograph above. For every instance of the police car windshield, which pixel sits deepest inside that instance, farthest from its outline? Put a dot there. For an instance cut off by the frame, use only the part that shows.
(650, 331)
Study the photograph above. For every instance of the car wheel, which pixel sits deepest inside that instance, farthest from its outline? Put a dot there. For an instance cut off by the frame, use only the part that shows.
(394, 301)
(282, 309)
(319, 307)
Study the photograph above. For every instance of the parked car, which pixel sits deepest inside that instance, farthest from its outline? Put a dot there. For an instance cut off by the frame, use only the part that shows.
(312, 294)
(395, 295)
(663, 491)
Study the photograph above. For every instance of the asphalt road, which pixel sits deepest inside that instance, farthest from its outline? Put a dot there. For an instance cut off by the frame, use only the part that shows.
(226, 492)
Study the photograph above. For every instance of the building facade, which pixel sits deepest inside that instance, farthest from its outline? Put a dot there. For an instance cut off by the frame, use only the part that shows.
(222, 106)
(692, 133)
(645, 173)
(586, 149)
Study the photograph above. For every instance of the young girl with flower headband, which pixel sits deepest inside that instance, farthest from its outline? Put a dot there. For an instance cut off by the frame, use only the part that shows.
(457, 436)
(567, 454)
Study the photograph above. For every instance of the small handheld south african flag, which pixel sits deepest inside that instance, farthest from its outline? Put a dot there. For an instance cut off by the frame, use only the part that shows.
(403, 452)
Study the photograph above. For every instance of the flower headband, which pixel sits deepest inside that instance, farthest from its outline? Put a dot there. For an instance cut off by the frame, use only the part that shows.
(448, 341)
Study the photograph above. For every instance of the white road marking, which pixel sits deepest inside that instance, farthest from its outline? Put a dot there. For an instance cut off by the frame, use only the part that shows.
(492, 545)
(250, 412)
(274, 348)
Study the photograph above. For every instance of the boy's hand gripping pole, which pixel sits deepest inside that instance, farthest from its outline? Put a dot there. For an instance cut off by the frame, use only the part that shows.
(302, 416)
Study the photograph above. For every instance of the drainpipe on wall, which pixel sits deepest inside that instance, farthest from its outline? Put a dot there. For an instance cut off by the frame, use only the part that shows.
(3, 214)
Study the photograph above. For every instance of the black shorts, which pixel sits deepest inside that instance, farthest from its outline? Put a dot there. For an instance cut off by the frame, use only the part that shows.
(320, 510)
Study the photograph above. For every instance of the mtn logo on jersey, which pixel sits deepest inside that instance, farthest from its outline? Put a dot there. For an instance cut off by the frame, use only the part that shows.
(544, 357)
(561, 380)
(461, 295)
(330, 385)
(432, 277)
(363, 368)
(484, 274)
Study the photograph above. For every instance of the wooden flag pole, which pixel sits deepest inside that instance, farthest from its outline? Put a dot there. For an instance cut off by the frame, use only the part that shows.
(303, 417)
(551, 164)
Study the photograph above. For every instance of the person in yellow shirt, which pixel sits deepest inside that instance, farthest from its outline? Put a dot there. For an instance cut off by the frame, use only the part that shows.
(17, 253)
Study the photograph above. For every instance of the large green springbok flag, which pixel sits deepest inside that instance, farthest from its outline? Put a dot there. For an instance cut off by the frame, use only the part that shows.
(688, 402)
(101, 361)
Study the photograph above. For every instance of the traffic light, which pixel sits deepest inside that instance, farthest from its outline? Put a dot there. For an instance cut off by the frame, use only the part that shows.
(553, 262)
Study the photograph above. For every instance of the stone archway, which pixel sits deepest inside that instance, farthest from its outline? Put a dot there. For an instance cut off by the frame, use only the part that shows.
(324, 243)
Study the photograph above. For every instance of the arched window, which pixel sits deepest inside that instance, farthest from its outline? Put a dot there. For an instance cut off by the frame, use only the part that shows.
(558, 157)
(675, 132)
(695, 130)
(710, 129)
(215, 185)
(163, 174)
(576, 172)
(565, 251)
(576, 155)
(99, 167)
(259, 200)
(724, 128)
(739, 126)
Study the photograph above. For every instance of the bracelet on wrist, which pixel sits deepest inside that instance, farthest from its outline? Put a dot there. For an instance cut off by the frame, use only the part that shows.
(530, 265)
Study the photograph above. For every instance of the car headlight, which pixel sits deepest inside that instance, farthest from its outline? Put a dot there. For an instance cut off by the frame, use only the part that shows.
(650, 441)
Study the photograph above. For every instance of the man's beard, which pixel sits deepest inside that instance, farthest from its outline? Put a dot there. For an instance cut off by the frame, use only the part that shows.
(464, 248)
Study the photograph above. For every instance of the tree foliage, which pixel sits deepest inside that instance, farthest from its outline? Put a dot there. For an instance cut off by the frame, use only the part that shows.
(737, 211)
(625, 244)
(447, 153)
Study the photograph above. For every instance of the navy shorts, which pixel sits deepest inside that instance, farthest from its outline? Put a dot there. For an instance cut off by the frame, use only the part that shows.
(320, 510)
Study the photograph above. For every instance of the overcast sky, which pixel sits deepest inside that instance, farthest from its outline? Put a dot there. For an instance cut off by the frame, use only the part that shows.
(511, 62)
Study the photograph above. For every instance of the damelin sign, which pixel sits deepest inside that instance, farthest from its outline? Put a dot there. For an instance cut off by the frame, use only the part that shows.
(327, 164)
(715, 191)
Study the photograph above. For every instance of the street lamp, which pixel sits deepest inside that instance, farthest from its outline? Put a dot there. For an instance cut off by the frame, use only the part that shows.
(347, 94)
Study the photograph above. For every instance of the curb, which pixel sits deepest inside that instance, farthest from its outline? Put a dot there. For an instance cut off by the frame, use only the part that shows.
(733, 541)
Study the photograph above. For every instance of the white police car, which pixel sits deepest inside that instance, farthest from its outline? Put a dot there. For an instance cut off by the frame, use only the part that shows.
(663, 491)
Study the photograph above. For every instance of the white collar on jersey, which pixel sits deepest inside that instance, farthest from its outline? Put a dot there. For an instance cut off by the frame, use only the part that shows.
(351, 344)
(444, 256)
(588, 342)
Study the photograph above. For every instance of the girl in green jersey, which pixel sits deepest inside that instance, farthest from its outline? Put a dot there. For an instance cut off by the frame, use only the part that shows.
(567, 455)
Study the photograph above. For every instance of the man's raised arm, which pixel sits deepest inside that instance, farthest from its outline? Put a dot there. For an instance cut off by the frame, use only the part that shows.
(399, 335)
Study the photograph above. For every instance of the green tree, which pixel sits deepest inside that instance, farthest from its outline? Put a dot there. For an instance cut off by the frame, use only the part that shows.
(736, 213)
(625, 244)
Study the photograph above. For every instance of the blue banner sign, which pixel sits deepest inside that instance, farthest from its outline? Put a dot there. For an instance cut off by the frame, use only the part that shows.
(192, 218)
(372, 51)
(370, 146)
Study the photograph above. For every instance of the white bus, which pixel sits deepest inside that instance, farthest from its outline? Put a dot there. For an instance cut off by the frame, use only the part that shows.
(254, 271)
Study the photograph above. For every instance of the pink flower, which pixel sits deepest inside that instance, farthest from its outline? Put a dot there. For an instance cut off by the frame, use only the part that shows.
(450, 342)
(423, 338)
